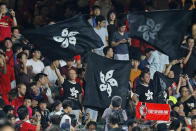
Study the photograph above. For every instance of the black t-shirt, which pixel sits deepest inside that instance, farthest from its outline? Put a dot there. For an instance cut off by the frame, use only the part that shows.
(190, 66)
(72, 92)
(189, 105)
(145, 94)
(111, 29)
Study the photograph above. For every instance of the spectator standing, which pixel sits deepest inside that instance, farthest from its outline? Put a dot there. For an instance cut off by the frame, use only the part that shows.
(114, 107)
(135, 72)
(73, 92)
(158, 62)
(96, 12)
(23, 115)
(6, 22)
(6, 76)
(22, 72)
(144, 91)
(121, 42)
(102, 32)
(35, 62)
(111, 25)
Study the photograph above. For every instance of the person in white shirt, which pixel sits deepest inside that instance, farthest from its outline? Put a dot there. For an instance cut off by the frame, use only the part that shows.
(102, 32)
(35, 62)
(51, 73)
(158, 62)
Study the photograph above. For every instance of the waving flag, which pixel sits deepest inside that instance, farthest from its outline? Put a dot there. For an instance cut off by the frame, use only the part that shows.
(105, 78)
(65, 39)
(164, 30)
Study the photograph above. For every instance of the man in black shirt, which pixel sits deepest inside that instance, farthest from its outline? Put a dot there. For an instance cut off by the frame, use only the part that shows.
(72, 91)
(144, 91)
(190, 104)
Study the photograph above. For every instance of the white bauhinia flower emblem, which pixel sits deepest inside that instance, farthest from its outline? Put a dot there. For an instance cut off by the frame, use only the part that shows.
(149, 30)
(149, 95)
(66, 38)
(74, 92)
(107, 82)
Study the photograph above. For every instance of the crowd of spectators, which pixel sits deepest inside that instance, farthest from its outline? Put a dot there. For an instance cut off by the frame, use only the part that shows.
(37, 93)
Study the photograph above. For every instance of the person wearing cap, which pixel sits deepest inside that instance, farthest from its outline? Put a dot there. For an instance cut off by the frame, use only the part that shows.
(35, 62)
(115, 106)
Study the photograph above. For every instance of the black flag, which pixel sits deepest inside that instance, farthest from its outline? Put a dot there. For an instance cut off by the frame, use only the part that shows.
(66, 38)
(161, 83)
(105, 78)
(163, 29)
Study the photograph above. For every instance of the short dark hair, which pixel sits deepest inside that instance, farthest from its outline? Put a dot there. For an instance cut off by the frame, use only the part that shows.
(34, 50)
(13, 92)
(8, 108)
(144, 71)
(39, 76)
(116, 101)
(147, 50)
(19, 56)
(55, 119)
(130, 123)
(99, 19)
(91, 123)
(56, 103)
(22, 112)
(43, 101)
(8, 38)
(67, 103)
(15, 28)
(70, 59)
(17, 47)
(3, 3)
(33, 84)
(96, 7)
(182, 88)
(189, 37)
(10, 116)
(106, 49)
(114, 118)
(121, 23)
